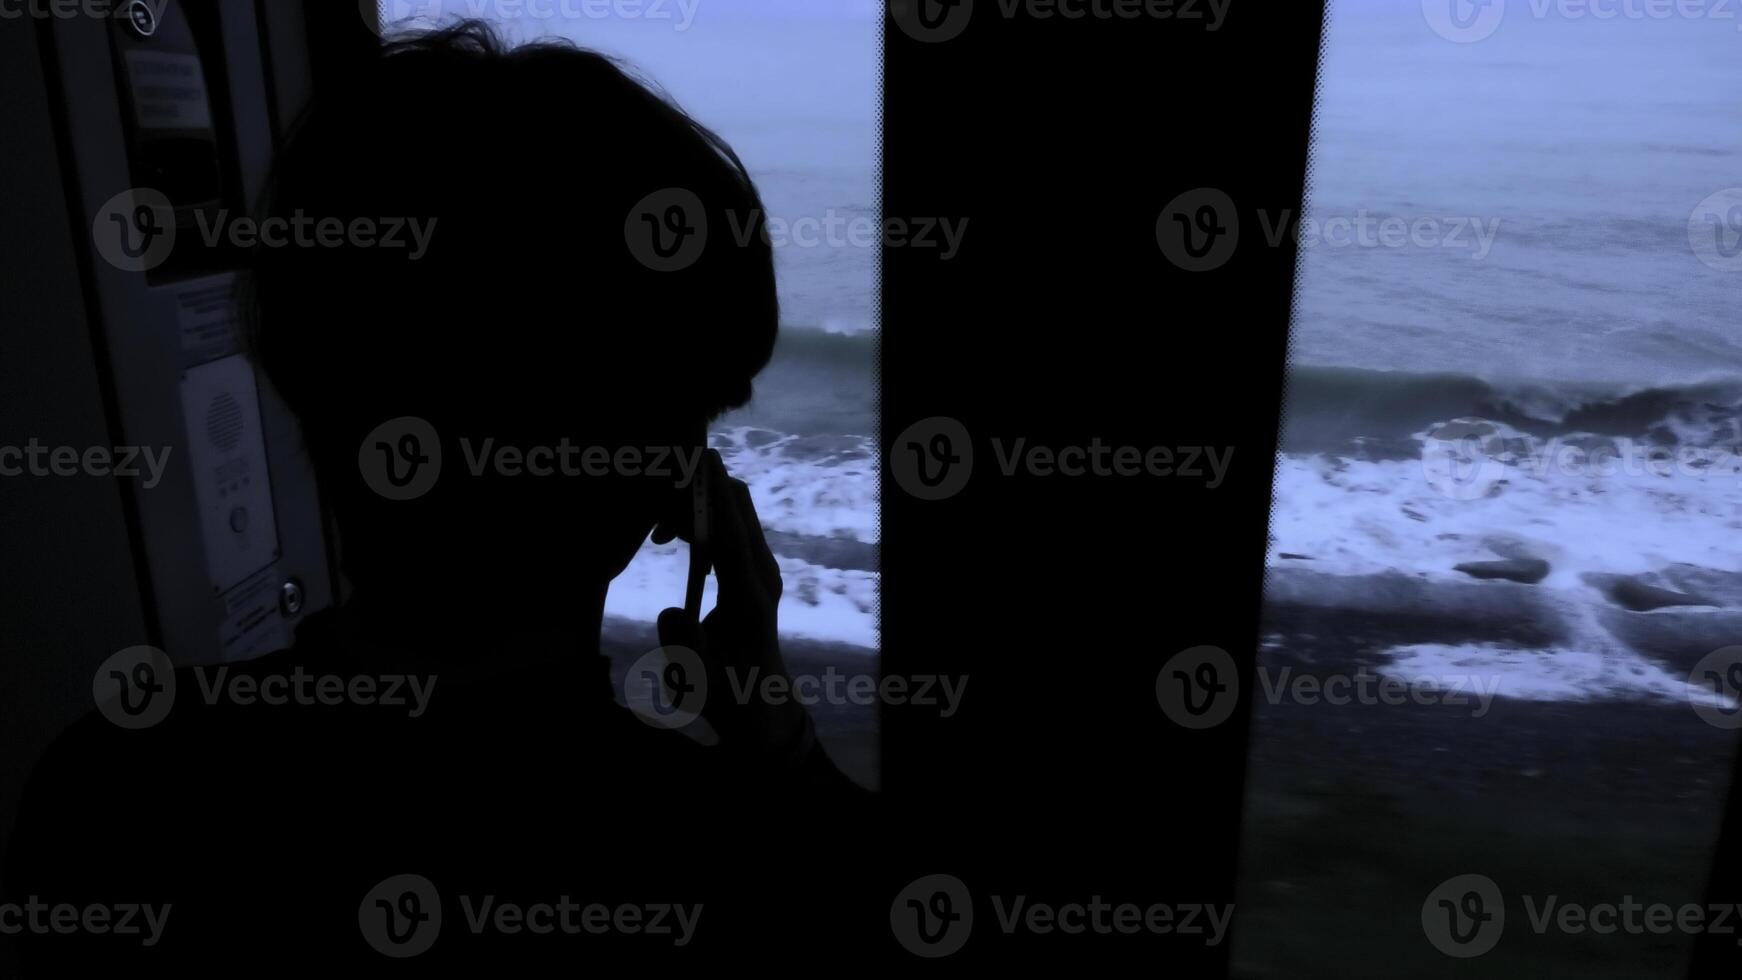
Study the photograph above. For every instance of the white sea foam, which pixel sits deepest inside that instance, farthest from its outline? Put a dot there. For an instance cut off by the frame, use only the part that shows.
(824, 486)
(1625, 516)
(1550, 674)
(1504, 494)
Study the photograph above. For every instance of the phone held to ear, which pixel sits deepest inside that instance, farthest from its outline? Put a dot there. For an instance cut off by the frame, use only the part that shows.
(701, 558)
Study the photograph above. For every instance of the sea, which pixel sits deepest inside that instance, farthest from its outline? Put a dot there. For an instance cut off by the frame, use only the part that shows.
(1526, 214)
(1583, 325)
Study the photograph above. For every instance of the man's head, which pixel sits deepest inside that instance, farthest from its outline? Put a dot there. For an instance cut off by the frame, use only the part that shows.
(546, 307)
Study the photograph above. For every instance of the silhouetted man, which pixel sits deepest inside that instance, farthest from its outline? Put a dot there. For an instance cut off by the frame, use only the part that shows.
(576, 286)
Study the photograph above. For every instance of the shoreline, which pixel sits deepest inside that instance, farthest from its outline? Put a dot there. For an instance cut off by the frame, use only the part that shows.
(1355, 812)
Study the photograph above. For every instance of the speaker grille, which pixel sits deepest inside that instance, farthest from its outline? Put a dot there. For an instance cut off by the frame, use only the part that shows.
(224, 422)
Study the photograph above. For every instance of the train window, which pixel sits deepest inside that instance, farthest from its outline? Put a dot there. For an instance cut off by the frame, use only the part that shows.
(1497, 692)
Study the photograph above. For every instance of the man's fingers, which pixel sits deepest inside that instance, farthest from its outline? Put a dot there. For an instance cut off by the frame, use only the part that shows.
(743, 559)
(732, 561)
(676, 630)
(762, 556)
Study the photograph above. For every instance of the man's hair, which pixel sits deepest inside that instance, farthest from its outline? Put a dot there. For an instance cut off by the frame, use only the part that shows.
(530, 311)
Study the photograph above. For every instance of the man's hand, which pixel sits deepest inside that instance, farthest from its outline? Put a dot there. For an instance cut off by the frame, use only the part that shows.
(739, 641)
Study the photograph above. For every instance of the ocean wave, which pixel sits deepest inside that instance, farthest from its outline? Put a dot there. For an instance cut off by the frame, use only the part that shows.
(1595, 531)
(806, 486)
(1341, 409)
